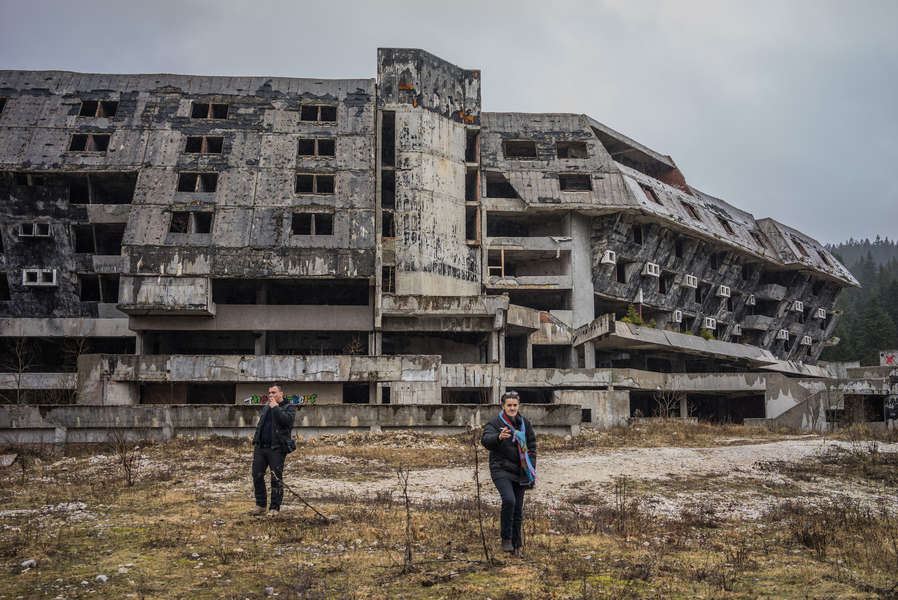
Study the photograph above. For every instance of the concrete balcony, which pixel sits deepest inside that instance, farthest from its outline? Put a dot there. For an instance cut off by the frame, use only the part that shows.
(38, 381)
(536, 378)
(108, 264)
(544, 244)
(771, 291)
(546, 282)
(757, 322)
(166, 296)
(253, 317)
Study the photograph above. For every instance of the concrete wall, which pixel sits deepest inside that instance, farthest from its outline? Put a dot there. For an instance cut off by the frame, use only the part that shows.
(609, 408)
(84, 424)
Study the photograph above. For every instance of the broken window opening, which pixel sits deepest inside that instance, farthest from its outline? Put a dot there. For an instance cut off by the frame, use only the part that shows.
(385, 394)
(197, 182)
(314, 183)
(570, 149)
(471, 179)
(98, 108)
(307, 223)
(88, 288)
(701, 292)
(202, 222)
(637, 234)
(621, 271)
(204, 144)
(678, 248)
(717, 259)
(650, 193)
(336, 292)
(519, 149)
(800, 246)
(472, 145)
(389, 224)
(495, 263)
(317, 147)
(472, 223)
(4, 288)
(726, 225)
(691, 210)
(2, 105)
(89, 142)
(571, 182)
(666, 281)
(205, 110)
(388, 280)
(759, 239)
(180, 222)
(747, 272)
(823, 257)
(107, 238)
(388, 138)
(497, 186)
(356, 393)
(318, 113)
(388, 188)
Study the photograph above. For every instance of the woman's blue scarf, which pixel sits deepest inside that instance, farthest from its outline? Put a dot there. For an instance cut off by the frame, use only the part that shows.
(520, 438)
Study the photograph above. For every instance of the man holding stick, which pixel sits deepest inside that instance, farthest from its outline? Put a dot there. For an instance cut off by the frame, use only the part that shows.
(271, 443)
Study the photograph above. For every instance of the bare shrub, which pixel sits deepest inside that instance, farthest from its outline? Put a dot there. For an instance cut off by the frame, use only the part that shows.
(127, 454)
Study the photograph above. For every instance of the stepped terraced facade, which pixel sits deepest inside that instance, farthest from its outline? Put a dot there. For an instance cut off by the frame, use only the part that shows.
(183, 240)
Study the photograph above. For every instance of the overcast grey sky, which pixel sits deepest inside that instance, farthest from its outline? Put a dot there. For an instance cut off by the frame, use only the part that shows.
(785, 109)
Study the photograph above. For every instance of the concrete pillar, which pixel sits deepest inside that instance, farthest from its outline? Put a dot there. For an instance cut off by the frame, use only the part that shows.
(573, 358)
(684, 407)
(528, 353)
(501, 336)
(582, 292)
(260, 342)
(494, 347)
(589, 354)
(373, 393)
(138, 342)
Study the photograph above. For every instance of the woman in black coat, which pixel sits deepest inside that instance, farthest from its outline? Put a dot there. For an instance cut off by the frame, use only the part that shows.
(512, 444)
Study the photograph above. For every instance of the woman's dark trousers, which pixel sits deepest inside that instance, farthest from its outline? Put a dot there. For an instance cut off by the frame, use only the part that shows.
(512, 515)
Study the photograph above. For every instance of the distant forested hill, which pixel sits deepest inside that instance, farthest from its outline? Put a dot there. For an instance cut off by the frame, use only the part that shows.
(870, 320)
(881, 250)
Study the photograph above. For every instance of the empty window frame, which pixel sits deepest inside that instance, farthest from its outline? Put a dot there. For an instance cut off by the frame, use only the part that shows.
(102, 188)
(39, 277)
(307, 223)
(823, 257)
(98, 108)
(317, 147)
(319, 113)
(679, 248)
(99, 238)
(34, 229)
(388, 188)
(314, 183)
(191, 222)
(574, 182)
(89, 142)
(205, 110)
(472, 145)
(570, 149)
(650, 193)
(388, 223)
(388, 280)
(2, 105)
(28, 179)
(4, 287)
(204, 144)
(388, 138)
(621, 271)
(801, 249)
(637, 234)
(472, 223)
(98, 288)
(197, 182)
(726, 225)
(519, 149)
(497, 186)
(691, 210)
(759, 239)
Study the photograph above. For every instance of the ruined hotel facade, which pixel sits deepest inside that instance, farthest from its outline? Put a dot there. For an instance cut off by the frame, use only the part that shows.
(174, 243)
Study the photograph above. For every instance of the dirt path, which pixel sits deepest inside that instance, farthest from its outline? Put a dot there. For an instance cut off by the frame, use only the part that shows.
(561, 475)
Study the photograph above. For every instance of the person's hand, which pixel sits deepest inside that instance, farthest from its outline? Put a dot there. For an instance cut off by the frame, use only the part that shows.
(504, 434)
(272, 402)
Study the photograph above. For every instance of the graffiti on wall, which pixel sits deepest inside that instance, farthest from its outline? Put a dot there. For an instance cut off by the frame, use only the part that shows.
(888, 358)
(294, 399)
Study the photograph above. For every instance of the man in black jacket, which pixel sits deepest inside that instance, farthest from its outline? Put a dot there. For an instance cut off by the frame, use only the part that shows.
(506, 469)
(270, 449)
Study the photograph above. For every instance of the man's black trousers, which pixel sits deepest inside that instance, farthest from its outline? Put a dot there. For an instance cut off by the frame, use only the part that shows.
(265, 458)
(512, 515)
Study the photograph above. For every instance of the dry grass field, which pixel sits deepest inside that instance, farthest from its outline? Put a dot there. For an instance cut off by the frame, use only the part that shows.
(656, 510)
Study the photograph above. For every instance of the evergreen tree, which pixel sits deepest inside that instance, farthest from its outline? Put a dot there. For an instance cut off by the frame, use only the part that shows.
(876, 332)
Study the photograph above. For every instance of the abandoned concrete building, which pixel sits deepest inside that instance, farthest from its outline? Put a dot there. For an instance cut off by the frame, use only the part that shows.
(171, 243)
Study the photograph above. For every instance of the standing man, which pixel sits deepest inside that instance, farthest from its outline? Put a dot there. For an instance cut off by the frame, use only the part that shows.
(270, 447)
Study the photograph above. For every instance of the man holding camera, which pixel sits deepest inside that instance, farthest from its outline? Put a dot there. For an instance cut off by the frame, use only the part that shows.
(271, 443)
